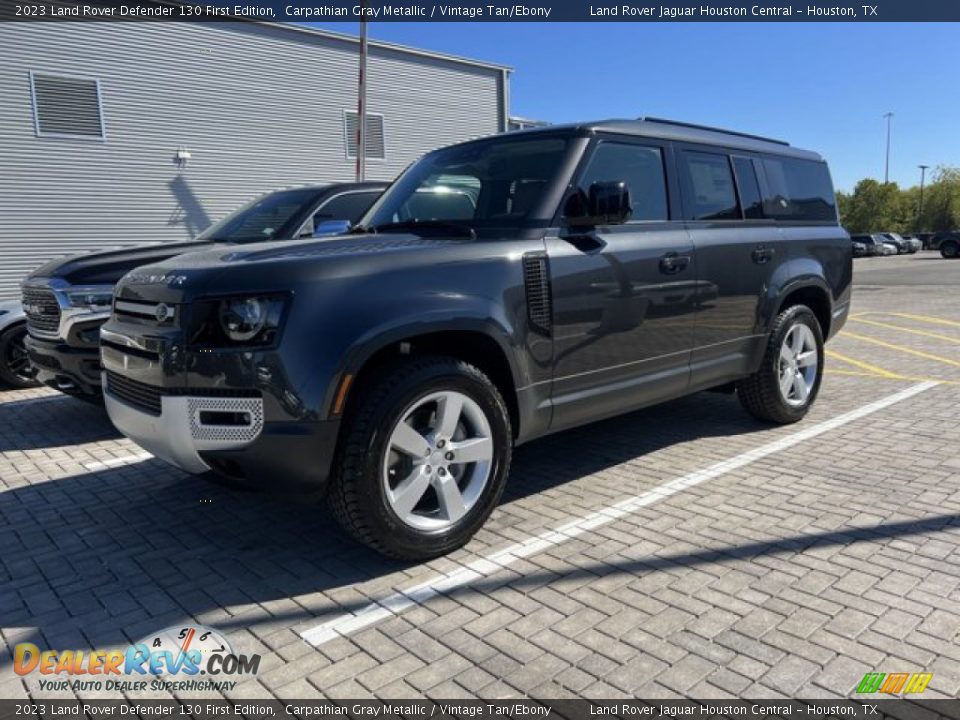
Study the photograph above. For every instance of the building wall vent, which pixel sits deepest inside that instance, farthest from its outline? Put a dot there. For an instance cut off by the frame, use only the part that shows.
(66, 106)
(376, 144)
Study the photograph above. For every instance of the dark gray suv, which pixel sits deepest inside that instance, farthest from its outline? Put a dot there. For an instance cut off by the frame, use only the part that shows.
(499, 290)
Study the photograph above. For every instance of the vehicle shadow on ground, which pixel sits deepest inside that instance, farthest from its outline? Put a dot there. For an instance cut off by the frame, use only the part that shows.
(52, 421)
(785, 546)
(104, 558)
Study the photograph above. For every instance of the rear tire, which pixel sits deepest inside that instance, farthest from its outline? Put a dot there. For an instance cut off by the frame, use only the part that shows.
(399, 488)
(14, 362)
(786, 385)
(950, 249)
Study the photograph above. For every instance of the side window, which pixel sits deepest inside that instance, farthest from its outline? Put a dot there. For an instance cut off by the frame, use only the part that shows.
(750, 199)
(350, 206)
(710, 188)
(640, 167)
(799, 190)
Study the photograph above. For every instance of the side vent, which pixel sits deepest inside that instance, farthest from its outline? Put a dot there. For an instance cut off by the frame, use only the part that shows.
(536, 280)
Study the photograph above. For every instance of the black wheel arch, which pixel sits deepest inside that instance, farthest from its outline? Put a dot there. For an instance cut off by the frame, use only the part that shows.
(478, 341)
(812, 292)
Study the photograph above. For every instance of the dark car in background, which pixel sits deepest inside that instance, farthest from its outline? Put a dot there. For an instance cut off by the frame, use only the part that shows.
(903, 245)
(948, 243)
(872, 244)
(500, 290)
(68, 299)
(915, 243)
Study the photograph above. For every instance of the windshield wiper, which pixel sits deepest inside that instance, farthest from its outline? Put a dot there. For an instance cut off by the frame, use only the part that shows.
(418, 226)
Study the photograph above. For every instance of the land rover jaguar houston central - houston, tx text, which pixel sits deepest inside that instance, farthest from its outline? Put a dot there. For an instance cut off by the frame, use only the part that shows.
(500, 290)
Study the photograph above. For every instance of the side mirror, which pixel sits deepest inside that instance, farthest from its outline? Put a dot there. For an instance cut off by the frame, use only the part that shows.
(608, 203)
(331, 227)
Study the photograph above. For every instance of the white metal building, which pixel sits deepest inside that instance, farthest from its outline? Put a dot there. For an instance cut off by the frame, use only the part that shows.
(114, 134)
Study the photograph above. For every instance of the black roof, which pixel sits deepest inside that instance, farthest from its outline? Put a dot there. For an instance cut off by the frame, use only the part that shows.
(683, 132)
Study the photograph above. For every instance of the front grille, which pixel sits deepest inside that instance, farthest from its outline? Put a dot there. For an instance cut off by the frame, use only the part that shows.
(42, 310)
(148, 397)
(145, 312)
(138, 394)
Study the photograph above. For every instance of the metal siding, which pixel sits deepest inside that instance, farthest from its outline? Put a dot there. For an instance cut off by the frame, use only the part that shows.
(258, 107)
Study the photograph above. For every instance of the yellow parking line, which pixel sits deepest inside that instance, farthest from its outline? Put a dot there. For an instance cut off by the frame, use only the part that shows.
(857, 374)
(924, 333)
(901, 348)
(908, 316)
(873, 369)
(874, 376)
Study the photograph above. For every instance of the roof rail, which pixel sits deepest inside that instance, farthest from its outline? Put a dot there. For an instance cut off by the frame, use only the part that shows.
(664, 121)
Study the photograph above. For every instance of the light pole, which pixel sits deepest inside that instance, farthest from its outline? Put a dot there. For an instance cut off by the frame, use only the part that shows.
(886, 169)
(923, 173)
(362, 100)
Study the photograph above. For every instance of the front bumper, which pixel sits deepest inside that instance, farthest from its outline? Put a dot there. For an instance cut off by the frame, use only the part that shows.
(68, 369)
(187, 431)
(187, 426)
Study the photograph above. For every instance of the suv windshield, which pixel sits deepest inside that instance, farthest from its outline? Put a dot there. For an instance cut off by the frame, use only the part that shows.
(489, 183)
(268, 217)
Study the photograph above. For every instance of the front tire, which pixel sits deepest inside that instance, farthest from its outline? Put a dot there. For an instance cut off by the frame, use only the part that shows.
(950, 250)
(424, 458)
(14, 362)
(786, 385)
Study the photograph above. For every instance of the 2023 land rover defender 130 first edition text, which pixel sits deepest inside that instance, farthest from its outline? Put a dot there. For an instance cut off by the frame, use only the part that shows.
(499, 290)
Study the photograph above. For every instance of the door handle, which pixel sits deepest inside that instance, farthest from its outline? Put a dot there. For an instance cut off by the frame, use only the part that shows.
(762, 254)
(672, 263)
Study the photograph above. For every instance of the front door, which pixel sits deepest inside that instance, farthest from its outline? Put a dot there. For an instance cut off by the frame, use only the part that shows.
(624, 295)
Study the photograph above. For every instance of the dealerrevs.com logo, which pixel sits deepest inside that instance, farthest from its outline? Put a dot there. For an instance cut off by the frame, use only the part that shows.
(190, 657)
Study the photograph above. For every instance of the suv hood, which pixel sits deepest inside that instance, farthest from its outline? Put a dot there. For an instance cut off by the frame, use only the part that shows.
(342, 245)
(228, 269)
(108, 266)
(311, 251)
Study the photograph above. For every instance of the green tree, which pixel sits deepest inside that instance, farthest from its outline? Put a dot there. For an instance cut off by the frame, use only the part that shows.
(941, 201)
(874, 207)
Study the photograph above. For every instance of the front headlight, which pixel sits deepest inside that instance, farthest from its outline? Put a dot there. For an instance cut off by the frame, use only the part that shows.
(97, 298)
(252, 320)
(242, 320)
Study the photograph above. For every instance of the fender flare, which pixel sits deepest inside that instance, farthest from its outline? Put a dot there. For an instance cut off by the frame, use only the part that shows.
(356, 356)
(804, 282)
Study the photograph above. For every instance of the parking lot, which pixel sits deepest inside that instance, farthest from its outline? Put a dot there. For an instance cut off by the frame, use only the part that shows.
(684, 550)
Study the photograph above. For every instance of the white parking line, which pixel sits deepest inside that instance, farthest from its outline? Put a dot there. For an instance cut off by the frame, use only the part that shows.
(131, 459)
(402, 600)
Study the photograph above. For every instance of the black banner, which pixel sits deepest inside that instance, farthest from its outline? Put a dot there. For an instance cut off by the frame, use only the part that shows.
(484, 11)
(526, 709)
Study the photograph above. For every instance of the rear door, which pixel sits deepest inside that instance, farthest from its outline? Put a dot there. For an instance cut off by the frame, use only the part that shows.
(738, 251)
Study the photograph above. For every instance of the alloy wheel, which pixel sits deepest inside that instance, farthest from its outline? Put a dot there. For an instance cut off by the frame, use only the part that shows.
(438, 460)
(798, 365)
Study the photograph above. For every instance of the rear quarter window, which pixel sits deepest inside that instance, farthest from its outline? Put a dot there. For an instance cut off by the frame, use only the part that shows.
(798, 190)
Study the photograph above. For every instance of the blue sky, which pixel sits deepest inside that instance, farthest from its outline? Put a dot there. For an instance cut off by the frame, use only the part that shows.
(822, 86)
